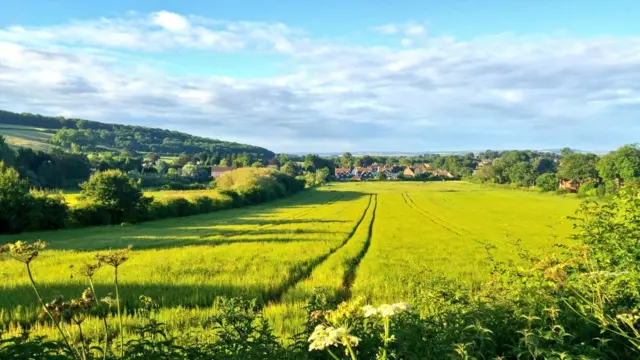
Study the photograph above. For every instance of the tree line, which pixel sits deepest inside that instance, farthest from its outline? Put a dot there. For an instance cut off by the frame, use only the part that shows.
(85, 135)
(60, 169)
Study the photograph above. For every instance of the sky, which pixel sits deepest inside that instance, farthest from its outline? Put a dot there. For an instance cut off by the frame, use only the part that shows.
(334, 76)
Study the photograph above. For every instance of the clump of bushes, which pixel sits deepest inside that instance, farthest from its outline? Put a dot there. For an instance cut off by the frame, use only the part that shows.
(248, 186)
(547, 182)
(112, 197)
(22, 209)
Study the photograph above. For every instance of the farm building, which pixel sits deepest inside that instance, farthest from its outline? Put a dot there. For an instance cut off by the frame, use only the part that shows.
(216, 171)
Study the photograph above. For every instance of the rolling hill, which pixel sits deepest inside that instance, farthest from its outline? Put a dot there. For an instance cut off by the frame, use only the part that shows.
(46, 132)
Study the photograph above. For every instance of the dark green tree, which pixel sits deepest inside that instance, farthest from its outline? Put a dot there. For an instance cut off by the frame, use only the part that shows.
(118, 193)
(7, 155)
(578, 167)
(14, 200)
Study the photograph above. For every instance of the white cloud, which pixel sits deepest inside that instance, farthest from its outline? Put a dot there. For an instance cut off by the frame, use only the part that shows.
(170, 21)
(407, 29)
(415, 30)
(439, 93)
(387, 29)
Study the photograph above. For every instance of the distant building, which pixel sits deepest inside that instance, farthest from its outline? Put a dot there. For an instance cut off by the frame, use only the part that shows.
(442, 174)
(572, 185)
(343, 174)
(216, 171)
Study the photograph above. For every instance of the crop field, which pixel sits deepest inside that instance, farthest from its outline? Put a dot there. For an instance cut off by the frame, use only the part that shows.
(25, 136)
(384, 241)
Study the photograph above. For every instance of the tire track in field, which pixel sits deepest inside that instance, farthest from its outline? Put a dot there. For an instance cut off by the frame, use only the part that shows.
(446, 222)
(411, 204)
(306, 271)
(438, 218)
(350, 274)
(261, 227)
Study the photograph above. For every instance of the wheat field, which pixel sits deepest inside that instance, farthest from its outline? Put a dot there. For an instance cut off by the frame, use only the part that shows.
(384, 241)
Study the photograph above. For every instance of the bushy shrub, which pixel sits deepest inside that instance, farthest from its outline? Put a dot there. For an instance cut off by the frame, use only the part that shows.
(204, 204)
(15, 200)
(587, 189)
(547, 182)
(47, 211)
(88, 214)
(117, 192)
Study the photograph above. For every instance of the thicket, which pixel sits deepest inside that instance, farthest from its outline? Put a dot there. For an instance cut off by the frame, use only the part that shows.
(112, 198)
(582, 302)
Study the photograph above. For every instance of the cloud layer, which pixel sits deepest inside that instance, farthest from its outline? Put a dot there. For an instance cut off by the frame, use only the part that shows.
(419, 94)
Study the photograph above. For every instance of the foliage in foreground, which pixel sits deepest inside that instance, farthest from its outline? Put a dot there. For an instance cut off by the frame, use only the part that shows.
(582, 303)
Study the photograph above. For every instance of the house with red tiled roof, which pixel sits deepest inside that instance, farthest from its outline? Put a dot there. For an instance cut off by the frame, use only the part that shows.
(343, 174)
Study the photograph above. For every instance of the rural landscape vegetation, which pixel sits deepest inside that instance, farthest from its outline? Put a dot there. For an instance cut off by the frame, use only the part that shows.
(129, 242)
(328, 180)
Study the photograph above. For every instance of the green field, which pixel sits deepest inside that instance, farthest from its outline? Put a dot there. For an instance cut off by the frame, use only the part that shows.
(384, 241)
(26, 136)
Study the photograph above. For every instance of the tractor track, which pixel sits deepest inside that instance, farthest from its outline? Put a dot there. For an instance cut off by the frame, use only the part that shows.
(425, 214)
(313, 264)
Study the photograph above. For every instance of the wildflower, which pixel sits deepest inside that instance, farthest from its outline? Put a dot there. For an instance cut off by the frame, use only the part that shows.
(345, 338)
(114, 258)
(369, 311)
(108, 300)
(89, 270)
(402, 307)
(386, 310)
(324, 337)
(23, 251)
(321, 338)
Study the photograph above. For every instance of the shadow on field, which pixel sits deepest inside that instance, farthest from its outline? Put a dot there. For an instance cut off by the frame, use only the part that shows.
(22, 299)
(197, 229)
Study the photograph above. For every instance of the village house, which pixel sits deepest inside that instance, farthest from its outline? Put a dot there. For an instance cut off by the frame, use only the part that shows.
(442, 173)
(216, 171)
(363, 173)
(343, 174)
(416, 170)
(391, 175)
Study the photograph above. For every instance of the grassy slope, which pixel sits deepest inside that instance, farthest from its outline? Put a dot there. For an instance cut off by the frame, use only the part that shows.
(25, 136)
(276, 251)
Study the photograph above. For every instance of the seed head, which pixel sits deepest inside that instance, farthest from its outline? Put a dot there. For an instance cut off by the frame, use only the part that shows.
(89, 270)
(23, 251)
(114, 258)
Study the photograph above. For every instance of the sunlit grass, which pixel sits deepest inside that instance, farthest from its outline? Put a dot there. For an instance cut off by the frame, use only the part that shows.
(279, 252)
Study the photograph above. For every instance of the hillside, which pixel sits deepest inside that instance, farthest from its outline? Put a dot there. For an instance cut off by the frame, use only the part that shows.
(45, 132)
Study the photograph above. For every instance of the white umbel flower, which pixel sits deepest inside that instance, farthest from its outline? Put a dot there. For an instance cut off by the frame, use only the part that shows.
(386, 310)
(324, 337)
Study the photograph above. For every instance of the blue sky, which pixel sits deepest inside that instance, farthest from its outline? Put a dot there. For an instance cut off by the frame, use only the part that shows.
(335, 76)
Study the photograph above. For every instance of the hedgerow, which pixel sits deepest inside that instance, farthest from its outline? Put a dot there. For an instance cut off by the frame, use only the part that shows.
(113, 198)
